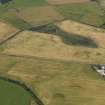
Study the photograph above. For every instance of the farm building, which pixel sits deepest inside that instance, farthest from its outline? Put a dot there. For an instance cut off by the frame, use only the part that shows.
(100, 69)
(4, 1)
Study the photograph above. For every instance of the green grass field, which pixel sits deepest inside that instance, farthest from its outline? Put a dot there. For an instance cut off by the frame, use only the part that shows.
(11, 94)
(15, 21)
(25, 3)
(89, 13)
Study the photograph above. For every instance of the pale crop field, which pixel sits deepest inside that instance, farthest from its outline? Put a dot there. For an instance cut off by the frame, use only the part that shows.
(6, 31)
(50, 46)
(96, 34)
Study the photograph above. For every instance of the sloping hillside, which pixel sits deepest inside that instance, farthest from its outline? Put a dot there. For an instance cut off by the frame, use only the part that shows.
(97, 34)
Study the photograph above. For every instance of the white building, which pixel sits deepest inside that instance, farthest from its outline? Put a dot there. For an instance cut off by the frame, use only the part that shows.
(100, 69)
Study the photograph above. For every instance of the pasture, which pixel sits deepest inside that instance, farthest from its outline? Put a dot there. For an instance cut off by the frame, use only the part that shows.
(88, 13)
(60, 2)
(23, 14)
(9, 11)
(40, 15)
(25, 3)
(11, 94)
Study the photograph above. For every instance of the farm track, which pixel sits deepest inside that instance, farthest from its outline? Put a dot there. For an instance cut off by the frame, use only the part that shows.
(27, 88)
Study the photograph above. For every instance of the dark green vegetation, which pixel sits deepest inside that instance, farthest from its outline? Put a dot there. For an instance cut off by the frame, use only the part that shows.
(67, 38)
(89, 13)
(11, 94)
(27, 3)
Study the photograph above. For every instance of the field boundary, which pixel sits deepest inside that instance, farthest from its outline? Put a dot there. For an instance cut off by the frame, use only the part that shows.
(12, 36)
(23, 85)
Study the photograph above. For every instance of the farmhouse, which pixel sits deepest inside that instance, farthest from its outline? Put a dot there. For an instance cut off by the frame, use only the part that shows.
(4, 1)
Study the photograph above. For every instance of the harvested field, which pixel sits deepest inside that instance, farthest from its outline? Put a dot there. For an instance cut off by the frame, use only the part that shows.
(6, 31)
(49, 46)
(58, 83)
(59, 2)
(67, 38)
(40, 15)
(97, 34)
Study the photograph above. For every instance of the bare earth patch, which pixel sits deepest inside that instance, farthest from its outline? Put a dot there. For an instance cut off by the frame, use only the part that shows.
(6, 30)
(58, 2)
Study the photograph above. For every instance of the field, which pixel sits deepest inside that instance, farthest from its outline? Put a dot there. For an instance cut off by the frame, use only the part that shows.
(8, 12)
(96, 34)
(6, 31)
(47, 53)
(18, 12)
(89, 13)
(25, 3)
(59, 2)
(40, 15)
(78, 83)
(11, 94)
(49, 46)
